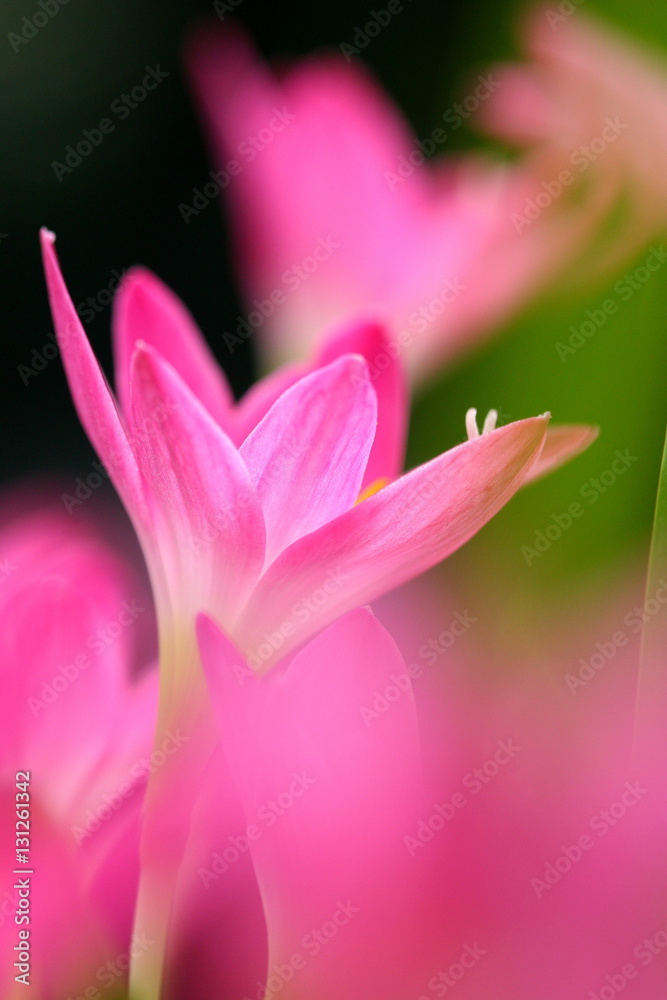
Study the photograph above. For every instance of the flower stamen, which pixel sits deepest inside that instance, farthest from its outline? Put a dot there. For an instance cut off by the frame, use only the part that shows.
(472, 427)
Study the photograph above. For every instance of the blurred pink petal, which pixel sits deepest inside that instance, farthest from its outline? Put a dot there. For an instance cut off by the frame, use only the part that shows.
(217, 944)
(591, 103)
(551, 858)
(561, 444)
(347, 911)
(78, 718)
(337, 215)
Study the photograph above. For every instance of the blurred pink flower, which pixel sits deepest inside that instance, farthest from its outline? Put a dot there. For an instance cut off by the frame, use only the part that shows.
(549, 834)
(335, 214)
(472, 818)
(349, 913)
(77, 722)
(590, 106)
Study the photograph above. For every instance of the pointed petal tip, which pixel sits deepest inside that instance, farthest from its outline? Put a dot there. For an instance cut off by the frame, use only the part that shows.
(146, 309)
(218, 651)
(204, 621)
(585, 433)
(140, 357)
(204, 624)
(352, 360)
(92, 396)
(139, 279)
(145, 357)
(581, 436)
(148, 367)
(562, 443)
(139, 289)
(361, 335)
(351, 366)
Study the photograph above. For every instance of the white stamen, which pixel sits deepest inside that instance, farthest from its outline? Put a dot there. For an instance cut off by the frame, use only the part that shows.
(471, 423)
(490, 422)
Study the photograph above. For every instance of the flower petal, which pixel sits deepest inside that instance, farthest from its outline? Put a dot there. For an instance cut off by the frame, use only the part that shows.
(387, 375)
(309, 732)
(92, 396)
(201, 488)
(259, 399)
(308, 455)
(560, 445)
(145, 309)
(394, 535)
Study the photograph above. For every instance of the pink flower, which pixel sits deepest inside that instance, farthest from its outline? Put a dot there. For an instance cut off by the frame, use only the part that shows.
(246, 532)
(77, 720)
(590, 107)
(266, 536)
(335, 214)
(547, 832)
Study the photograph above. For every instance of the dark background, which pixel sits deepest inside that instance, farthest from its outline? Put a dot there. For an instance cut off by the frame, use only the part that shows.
(119, 207)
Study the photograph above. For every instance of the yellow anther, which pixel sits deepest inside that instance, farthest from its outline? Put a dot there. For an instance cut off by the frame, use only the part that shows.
(374, 488)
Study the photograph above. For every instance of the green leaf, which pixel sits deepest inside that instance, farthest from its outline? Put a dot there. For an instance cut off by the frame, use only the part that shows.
(651, 711)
